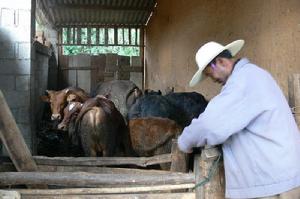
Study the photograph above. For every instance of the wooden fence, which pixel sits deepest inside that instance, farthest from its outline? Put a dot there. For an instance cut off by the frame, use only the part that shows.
(93, 177)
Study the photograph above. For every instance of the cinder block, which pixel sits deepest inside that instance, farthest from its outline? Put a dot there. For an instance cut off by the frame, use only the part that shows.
(136, 61)
(7, 82)
(15, 67)
(22, 83)
(25, 130)
(7, 50)
(111, 63)
(17, 99)
(23, 51)
(23, 115)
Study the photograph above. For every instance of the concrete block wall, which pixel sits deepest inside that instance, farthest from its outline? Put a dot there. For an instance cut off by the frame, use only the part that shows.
(15, 61)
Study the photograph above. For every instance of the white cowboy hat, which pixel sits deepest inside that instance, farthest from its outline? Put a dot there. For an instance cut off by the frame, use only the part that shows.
(208, 52)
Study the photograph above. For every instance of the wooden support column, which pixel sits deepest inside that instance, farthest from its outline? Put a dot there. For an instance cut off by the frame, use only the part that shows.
(179, 159)
(203, 167)
(294, 96)
(13, 140)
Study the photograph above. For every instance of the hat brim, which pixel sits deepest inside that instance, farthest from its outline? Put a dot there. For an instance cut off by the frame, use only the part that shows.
(234, 47)
(196, 78)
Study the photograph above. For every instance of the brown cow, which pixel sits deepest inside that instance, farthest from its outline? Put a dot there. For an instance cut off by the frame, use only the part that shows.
(99, 127)
(58, 99)
(153, 136)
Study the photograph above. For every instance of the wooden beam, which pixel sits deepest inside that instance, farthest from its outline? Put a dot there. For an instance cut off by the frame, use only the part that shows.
(13, 140)
(114, 190)
(131, 69)
(103, 161)
(209, 174)
(100, 7)
(127, 45)
(97, 36)
(84, 179)
(78, 36)
(9, 167)
(117, 196)
(179, 159)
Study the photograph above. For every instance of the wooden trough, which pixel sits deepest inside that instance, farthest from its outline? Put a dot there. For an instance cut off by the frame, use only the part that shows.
(94, 177)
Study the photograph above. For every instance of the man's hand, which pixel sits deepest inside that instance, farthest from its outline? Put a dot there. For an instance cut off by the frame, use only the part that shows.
(183, 146)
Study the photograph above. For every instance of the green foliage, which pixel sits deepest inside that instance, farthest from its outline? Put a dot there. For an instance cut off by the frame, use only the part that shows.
(122, 36)
(95, 50)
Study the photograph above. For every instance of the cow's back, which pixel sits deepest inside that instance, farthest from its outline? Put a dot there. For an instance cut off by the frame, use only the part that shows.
(118, 91)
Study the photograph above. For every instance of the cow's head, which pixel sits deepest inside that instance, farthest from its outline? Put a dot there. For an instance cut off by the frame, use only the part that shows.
(70, 112)
(58, 100)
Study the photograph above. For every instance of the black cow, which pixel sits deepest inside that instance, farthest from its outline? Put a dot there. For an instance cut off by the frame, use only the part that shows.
(180, 107)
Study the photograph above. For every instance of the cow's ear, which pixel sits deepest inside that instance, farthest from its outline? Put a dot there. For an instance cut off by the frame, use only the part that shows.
(71, 97)
(137, 92)
(159, 92)
(45, 98)
(67, 90)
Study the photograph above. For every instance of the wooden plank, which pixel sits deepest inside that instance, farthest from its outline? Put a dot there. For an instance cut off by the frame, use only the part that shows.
(116, 36)
(106, 36)
(9, 167)
(89, 35)
(115, 190)
(103, 161)
(78, 36)
(117, 196)
(84, 179)
(73, 36)
(97, 36)
(129, 35)
(8, 194)
(179, 159)
(68, 35)
(215, 187)
(131, 68)
(199, 191)
(126, 45)
(13, 140)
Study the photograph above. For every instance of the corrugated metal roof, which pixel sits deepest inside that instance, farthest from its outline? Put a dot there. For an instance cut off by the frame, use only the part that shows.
(96, 12)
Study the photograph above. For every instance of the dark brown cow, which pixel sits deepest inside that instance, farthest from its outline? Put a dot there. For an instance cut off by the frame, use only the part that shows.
(99, 127)
(153, 136)
(58, 99)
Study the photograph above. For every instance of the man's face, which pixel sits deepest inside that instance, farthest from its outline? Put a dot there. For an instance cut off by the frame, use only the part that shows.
(219, 70)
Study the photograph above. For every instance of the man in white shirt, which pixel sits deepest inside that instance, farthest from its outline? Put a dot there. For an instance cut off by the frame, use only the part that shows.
(251, 118)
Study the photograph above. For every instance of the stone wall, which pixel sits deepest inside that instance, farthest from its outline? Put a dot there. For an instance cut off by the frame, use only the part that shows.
(15, 61)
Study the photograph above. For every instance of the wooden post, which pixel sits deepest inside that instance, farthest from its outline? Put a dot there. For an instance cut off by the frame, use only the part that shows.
(203, 164)
(179, 159)
(294, 96)
(13, 140)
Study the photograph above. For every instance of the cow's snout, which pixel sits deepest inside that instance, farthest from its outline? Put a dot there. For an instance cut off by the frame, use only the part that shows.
(62, 126)
(55, 117)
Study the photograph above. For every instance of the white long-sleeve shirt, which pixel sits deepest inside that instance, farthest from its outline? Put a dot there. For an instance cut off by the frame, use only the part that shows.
(261, 141)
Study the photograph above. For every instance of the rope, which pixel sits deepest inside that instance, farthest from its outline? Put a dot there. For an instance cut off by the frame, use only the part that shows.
(211, 173)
